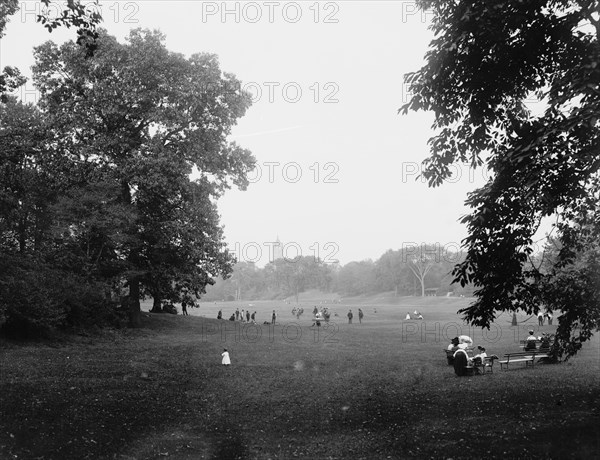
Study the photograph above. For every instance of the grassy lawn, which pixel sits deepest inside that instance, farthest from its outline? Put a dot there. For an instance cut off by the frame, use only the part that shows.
(381, 389)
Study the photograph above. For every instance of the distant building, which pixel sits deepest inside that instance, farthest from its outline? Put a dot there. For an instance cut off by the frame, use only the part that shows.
(277, 250)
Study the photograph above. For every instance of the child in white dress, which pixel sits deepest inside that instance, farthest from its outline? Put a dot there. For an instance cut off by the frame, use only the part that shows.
(226, 361)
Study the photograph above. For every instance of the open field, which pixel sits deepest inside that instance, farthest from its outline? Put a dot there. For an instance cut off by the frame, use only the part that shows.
(381, 389)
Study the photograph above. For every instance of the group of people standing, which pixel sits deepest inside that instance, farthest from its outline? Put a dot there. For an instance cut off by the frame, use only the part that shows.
(350, 315)
(246, 316)
(542, 316)
(318, 315)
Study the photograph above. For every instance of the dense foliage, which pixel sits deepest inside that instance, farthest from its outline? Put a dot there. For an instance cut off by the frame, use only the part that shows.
(515, 86)
(109, 185)
(85, 17)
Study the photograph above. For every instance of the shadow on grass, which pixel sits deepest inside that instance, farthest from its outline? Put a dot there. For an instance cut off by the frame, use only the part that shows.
(232, 448)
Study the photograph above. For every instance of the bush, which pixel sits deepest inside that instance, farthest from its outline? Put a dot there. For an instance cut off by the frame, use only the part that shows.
(32, 301)
(169, 308)
(36, 299)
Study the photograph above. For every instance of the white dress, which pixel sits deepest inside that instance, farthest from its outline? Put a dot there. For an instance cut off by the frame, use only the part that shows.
(225, 360)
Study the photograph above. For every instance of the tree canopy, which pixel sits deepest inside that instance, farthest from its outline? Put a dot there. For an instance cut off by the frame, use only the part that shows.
(85, 17)
(111, 181)
(515, 87)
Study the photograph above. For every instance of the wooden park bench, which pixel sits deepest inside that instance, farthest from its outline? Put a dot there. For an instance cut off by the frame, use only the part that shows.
(486, 364)
(481, 366)
(527, 357)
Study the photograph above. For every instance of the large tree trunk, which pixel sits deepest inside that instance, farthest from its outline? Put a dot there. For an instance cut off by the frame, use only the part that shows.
(23, 234)
(135, 312)
(156, 302)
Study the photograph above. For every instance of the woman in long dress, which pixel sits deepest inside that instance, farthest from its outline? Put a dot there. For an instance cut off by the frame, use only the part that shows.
(226, 361)
(461, 359)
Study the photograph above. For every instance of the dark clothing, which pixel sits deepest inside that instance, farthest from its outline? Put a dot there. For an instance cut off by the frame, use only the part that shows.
(460, 362)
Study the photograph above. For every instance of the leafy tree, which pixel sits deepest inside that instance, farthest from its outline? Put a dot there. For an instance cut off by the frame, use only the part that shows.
(23, 203)
(248, 282)
(420, 262)
(486, 64)
(7, 9)
(147, 119)
(84, 16)
(568, 275)
(53, 251)
(356, 278)
(293, 276)
(24, 192)
(391, 272)
(10, 78)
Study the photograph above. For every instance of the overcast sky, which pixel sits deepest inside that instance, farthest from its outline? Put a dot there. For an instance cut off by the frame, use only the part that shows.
(337, 163)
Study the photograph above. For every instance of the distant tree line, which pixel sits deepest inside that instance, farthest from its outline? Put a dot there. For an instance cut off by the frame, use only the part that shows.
(413, 270)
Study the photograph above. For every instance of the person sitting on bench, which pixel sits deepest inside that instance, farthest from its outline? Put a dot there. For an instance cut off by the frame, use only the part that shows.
(545, 344)
(453, 344)
(481, 355)
(530, 341)
(478, 359)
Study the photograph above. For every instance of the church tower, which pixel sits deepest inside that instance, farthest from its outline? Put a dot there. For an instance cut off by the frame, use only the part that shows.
(277, 250)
